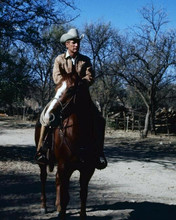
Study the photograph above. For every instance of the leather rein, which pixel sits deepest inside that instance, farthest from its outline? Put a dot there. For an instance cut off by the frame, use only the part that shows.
(63, 126)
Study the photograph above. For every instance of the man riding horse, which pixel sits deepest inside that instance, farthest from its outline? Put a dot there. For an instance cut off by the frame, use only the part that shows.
(73, 62)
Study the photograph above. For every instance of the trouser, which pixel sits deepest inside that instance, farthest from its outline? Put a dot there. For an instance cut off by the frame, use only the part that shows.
(98, 129)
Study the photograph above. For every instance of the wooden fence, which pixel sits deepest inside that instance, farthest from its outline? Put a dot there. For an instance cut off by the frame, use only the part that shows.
(165, 121)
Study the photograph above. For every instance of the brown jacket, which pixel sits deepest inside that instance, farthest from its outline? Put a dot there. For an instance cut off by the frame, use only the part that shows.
(63, 65)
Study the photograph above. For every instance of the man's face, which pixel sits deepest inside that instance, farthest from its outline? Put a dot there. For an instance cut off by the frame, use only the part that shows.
(73, 46)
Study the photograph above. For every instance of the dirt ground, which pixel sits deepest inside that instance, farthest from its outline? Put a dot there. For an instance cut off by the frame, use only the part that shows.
(138, 184)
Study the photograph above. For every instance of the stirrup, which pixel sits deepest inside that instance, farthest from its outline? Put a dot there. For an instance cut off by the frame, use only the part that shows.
(41, 158)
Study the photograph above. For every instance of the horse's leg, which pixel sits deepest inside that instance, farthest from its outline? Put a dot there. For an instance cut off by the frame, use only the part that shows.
(43, 177)
(62, 191)
(43, 172)
(85, 176)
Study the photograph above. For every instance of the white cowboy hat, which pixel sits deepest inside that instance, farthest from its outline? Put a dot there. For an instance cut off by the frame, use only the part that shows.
(71, 34)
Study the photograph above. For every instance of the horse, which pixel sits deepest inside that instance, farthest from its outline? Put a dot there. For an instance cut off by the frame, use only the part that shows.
(72, 149)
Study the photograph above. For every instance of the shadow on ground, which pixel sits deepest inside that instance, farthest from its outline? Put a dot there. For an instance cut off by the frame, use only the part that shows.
(17, 153)
(20, 193)
(137, 211)
(148, 150)
(142, 211)
(20, 197)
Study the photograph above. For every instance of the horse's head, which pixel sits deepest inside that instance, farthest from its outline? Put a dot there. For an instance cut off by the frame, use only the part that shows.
(69, 80)
(66, 89)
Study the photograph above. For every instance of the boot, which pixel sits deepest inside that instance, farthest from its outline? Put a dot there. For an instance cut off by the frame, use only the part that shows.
(101, 162)
(42, 147)
(41, 157)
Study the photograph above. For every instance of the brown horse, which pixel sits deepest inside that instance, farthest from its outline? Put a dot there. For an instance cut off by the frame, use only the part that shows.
(72, 148)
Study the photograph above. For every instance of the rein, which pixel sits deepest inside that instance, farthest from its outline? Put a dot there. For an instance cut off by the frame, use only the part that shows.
(63, 107)
(63, 126)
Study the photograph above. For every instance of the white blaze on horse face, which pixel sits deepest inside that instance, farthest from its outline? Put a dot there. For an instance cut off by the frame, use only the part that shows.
(54, 101)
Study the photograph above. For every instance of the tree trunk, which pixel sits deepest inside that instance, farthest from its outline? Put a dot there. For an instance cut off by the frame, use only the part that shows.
(146, 126)
(152, 114)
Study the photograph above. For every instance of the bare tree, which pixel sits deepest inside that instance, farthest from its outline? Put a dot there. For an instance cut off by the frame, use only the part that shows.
(43, 59)
(99, 44)
(149, 60)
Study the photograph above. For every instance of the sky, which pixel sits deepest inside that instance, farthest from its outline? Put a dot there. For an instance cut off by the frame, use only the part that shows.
(120, 13)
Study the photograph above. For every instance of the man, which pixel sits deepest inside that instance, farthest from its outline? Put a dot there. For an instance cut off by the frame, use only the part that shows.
(73, 61)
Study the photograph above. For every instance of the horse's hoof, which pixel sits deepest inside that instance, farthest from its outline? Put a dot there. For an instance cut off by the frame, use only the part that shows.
(101, 163)
(43, 211)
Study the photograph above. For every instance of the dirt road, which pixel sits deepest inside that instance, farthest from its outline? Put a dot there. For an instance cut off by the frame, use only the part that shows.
(138, 184)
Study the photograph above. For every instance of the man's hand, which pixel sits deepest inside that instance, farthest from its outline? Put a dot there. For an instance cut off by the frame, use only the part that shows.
(88, 78)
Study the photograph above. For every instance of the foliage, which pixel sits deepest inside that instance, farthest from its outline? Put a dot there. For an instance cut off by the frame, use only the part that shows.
(27, 47)
(25, 20)
(43, 59)
(15, 78)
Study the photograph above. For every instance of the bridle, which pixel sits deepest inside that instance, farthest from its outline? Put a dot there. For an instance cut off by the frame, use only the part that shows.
(64, 107)
(63, 126)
